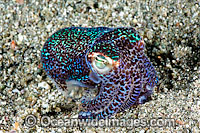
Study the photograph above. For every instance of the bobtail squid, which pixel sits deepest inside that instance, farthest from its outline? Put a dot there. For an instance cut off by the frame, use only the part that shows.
(109, 59)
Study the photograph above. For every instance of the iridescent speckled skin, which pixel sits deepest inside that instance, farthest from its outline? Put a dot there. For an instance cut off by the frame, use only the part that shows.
(73, 54)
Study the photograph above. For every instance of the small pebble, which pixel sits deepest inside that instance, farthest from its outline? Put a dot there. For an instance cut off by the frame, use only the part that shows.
(16, 91)
(44, 85)
(45, 105)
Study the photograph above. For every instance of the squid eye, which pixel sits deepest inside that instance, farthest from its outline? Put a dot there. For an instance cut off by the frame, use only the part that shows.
(100, 58)
(100, 62)
(100, 65)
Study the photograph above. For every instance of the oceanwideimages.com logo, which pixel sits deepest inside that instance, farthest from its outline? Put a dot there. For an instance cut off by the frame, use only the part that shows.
(46, 121)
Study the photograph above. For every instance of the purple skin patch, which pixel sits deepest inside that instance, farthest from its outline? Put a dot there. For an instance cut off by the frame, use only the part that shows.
(110, 59)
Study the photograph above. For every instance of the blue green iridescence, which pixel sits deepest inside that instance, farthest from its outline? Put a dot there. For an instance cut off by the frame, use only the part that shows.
(66, 56)
(69, 40)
